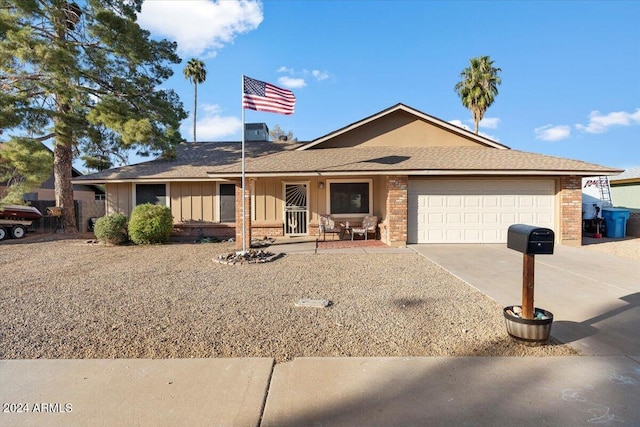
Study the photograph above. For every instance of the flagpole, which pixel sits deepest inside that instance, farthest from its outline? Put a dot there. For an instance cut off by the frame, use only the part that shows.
(244, 244)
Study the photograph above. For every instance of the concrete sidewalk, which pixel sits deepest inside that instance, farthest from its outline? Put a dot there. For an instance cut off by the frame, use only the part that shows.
(595, 298)
(461, 391)
(417, 391)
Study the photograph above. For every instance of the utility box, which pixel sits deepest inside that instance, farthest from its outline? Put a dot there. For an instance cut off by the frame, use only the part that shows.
(530, 240)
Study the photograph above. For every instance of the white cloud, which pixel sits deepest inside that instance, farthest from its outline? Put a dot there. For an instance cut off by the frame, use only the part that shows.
(316, 74)
(600, 124)
(284, 69)
(460, 124)
(489, 122)
(200, 27)
(552, 133)
(486, 122)
(211, 124)
(291, 82)
(320, 75)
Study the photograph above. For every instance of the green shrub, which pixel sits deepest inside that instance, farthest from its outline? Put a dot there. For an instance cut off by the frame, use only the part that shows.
(112, 229)
(150, 224)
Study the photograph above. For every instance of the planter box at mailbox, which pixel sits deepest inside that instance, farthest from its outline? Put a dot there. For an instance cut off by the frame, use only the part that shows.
(531, 331)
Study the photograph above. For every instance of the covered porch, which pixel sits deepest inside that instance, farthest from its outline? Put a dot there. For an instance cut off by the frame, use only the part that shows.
(291, 206)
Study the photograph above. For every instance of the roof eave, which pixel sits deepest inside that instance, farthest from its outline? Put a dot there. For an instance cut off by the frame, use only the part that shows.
(414, 172)
(143, 180)
(625, 181)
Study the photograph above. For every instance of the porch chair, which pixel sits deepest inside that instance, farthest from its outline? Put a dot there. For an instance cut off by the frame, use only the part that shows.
(326, 224)
(369, 224)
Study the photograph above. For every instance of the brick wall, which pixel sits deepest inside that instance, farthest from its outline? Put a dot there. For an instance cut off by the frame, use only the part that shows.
(266, 229)
(220, 231)
(571, 210)
(394, 230)
(633, 224)
(247, 223)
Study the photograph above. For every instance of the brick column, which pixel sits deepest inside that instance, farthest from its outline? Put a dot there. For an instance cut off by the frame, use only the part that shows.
(571, 210)
(247, 223)
(396, 220)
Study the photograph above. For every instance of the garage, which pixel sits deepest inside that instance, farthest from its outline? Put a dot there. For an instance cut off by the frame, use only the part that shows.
(476, 211)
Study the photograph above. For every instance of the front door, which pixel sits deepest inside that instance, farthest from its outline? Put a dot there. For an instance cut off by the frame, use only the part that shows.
(296, 212)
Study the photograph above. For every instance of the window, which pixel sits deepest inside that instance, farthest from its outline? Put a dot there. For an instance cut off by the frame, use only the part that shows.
(227, 194)
(348, 198)
(155, 194)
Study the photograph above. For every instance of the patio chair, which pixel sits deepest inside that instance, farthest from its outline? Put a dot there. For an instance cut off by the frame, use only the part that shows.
(328, 225)
(369, 224)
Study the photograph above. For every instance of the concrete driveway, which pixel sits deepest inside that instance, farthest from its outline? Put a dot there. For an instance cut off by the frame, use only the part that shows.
(595, 298)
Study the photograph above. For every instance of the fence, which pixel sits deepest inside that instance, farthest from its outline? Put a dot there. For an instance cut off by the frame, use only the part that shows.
(85, 210)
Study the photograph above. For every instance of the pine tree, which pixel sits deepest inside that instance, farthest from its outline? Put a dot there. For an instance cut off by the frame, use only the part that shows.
(85, 77)
(24, 165)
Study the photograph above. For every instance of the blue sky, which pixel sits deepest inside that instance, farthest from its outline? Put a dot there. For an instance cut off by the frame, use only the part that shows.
(570, 70)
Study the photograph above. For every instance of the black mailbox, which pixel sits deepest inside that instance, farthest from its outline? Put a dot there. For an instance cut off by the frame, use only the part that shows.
(530, 240)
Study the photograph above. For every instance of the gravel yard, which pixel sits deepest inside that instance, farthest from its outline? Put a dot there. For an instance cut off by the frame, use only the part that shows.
(628, 248)
(66, 298)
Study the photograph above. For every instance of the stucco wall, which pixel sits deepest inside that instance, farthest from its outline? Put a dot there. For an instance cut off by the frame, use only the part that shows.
(626, 195)
(399, 129)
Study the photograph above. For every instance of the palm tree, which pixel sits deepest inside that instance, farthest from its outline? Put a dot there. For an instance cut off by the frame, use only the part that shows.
(478, 86)
(196, 74)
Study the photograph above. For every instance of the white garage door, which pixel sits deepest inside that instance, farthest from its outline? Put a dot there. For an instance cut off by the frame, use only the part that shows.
(476, 211)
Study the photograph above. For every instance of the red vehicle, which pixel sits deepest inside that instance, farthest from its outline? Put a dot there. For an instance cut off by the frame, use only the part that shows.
(14, 220)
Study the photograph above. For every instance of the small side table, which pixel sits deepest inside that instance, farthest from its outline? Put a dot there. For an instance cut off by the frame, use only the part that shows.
(345, 234)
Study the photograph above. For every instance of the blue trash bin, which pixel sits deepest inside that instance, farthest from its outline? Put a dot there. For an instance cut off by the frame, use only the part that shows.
(615, 221)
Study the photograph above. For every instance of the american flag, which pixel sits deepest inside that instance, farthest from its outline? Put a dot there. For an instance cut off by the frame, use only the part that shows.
(261, 96)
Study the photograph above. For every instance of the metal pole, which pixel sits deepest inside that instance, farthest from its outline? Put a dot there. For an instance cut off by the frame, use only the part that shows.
(244, 244)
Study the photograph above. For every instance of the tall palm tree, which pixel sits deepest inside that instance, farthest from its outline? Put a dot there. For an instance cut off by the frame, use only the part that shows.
(478, 86)
(196, 74)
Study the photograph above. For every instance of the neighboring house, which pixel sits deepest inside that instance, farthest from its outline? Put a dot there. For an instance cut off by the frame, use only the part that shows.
(46, 190)
(89, 198)
(86, 192)
(625, 189)
(427, 181)
(625, 192)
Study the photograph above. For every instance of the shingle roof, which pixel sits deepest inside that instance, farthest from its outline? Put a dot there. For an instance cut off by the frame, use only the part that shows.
(629, 174)
(220, 160)
(192, 161)
(411, 161)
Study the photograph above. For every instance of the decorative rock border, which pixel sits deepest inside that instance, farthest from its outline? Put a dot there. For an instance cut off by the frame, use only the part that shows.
(251, 256)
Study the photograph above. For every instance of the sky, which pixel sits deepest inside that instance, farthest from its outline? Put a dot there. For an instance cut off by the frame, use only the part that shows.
(570, 69)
